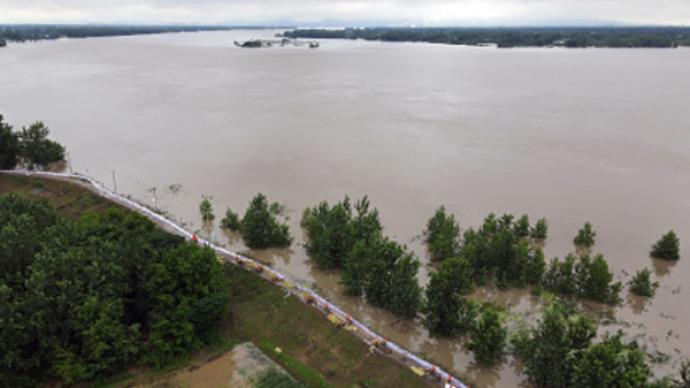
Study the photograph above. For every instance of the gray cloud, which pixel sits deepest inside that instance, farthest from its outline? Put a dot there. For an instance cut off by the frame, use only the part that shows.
(421, 12)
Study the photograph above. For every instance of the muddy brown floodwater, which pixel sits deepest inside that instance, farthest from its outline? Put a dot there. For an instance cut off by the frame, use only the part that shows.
(571, 135)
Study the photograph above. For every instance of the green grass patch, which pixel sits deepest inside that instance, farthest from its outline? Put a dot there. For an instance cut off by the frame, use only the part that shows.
(301, 372)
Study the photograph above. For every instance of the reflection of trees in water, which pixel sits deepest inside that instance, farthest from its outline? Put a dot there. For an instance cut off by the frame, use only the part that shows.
(484, 376)
(637, 303)
(662, 267)
(232, 237)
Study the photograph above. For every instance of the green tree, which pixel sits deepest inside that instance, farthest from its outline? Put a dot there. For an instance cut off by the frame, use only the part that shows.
(540, 230)
(36, 150)
(442, 235)
(584, 277)
(611, 363)
(330, 233)
(231, 221)
(550, 351)
(667, 248)
(521, 227)
(390, 278)
(586, 236)
(9, 146)
(447, 311)
(206, 209)
(260, 227)
(488, 337)
(274, 379)
(642, 285)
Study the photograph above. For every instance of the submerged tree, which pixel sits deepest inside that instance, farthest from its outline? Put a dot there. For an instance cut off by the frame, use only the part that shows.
(584, 277)
(447, 310)
(231, 221)
(442, 235)
(206, 209)
(667, 248)
(488, 337)
(260, 227)
(585, 237)
(540, 230)
(642, 285)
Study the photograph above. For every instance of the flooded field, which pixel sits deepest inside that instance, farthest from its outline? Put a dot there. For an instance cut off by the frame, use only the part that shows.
(570, 135)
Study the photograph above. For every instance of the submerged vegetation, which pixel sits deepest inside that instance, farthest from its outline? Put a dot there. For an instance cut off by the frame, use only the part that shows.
(260, 228)
(585, 237)
(584, 277)
(29, 147)
(442, 235)
(513, 36)
(642, 285)
(667, 248)
(206, 210)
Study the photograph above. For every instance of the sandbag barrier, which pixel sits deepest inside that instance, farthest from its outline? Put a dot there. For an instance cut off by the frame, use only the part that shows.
(374, 340)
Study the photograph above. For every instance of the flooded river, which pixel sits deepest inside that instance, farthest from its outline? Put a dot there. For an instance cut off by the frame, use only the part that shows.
(571, 135)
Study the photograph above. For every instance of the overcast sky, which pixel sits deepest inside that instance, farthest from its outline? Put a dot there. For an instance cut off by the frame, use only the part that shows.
(351, 12)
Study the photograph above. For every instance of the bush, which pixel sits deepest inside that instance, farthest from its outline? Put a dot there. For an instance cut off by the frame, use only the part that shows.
(442, 235)
(260, 228)
(231, 221)
(206, 210)
(667, 248)
(488, 337)
(447, 312)
(641, 284)
(585, 237)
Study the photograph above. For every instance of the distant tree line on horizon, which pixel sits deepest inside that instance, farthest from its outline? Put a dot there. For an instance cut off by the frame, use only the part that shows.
(33, 32)
(506, 37)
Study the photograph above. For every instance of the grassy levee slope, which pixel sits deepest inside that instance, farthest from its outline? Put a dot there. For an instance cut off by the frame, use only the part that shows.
(311, 348)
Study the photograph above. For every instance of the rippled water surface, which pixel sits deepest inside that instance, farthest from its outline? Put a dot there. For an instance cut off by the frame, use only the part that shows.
(570, 135)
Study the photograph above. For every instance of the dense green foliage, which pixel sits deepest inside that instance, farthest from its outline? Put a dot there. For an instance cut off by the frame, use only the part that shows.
(442, 235)
(667, 248)
(540, 230)
(514, 36)
(206, 209)
(274, 379)
(559, 352)
(29, 32)
(447, 310)
(30, 146)
(585, 237)
(642, 285)
(488, 337)
(583, 277)
(82, 299)
(501, 249)
(260, 228)
(9, 146)
(386, 273)
(231, 221)
(334, 230)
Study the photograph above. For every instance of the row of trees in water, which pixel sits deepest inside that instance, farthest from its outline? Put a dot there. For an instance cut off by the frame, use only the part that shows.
(29, 147)
(82, 299)
(506, 251)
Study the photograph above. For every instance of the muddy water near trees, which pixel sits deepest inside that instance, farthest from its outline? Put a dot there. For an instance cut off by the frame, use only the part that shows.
(570, 135)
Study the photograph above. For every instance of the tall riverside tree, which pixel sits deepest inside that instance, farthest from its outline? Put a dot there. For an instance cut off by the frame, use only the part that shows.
(584, 277)
(667, 248)
(540, 230)
(585, 237)
(9, 146)
(231, 221)
(442, 235)
(488, 337)
(447, 311)
(36, 149)
(260, 227)
(206, 209)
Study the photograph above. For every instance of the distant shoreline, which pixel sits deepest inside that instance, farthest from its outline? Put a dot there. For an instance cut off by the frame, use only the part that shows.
(514, 37)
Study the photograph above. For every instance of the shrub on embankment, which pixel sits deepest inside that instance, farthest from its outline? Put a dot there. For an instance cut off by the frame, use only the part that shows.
(30, 146)
(81, 299)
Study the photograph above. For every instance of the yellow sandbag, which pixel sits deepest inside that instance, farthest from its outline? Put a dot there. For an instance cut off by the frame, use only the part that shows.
(418, 371)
